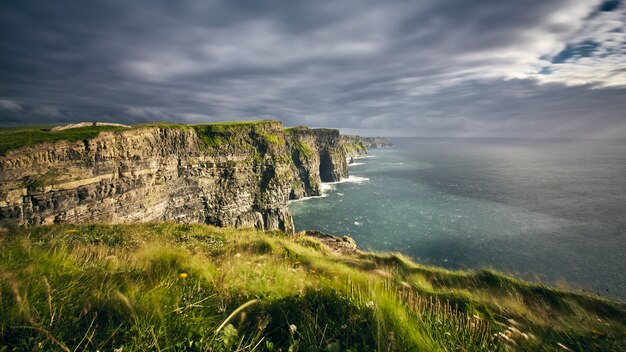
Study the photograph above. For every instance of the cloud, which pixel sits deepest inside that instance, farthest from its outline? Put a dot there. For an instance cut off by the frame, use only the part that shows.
(10, 105)
(450, 68)
(595, 53)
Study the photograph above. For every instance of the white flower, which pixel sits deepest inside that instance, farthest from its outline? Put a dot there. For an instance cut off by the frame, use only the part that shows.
(293, 328)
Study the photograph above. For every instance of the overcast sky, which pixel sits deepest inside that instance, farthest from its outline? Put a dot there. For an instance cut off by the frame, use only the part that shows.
(531, 68)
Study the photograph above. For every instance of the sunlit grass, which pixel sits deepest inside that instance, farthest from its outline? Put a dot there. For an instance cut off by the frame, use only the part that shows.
(194, 287)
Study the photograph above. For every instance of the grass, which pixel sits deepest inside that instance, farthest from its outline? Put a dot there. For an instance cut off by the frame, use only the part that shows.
(355, 148)
(235, 123)
(301, 150)
(164, 286)
(245, 135)
(25, 136)
(17, 137)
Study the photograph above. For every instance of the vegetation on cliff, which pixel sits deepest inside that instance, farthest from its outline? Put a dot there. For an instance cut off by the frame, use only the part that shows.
(376, 142)
(212, 133)
(353, 146)
(162, 286)
(27, 136)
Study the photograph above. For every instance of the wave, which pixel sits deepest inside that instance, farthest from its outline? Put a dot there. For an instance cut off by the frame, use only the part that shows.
(349, 179)
(307, 198)
(328, 186)
(355, 164)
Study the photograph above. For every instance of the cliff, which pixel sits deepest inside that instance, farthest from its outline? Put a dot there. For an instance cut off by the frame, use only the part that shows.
(226, 174)
(318, 156)
(376, 142)
(353, 147)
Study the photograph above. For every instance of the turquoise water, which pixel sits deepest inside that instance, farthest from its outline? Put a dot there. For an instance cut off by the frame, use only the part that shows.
(554, 212)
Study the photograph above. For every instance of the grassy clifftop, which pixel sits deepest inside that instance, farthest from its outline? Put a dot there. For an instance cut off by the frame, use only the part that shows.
(25, 136)
(163, 286)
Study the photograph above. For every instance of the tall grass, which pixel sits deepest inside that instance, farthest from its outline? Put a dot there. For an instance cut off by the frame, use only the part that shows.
(164, 286)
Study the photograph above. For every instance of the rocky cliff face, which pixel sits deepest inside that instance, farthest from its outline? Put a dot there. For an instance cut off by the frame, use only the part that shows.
(318, 156)
(231, 174)
(376, 142)
(238, 174)
(353, 147)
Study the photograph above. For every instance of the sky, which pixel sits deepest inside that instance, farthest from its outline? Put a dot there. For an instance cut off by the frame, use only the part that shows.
(434, 68)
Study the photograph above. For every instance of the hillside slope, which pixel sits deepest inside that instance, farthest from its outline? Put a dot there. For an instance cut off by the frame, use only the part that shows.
(165, 286)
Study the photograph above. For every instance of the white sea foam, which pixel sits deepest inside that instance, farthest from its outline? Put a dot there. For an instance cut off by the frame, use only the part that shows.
(356, 164)
(327, 186)
(349, 179)
(307, 198)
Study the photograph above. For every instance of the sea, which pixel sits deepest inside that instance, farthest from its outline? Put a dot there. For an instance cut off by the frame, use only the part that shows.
(549, 211)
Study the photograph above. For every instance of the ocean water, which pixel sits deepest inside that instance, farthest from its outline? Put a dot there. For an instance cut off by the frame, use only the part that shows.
(553, 212)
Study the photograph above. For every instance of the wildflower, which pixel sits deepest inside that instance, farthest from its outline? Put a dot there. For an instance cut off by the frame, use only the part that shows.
(369, 304)
(293, 328)
(183, 275)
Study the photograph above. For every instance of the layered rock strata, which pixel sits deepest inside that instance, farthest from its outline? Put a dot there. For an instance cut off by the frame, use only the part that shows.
(318, 156)
(353, 147)
(231, 174)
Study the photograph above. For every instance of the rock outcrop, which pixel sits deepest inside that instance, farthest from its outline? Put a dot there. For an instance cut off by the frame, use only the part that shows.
(230, 174)
(338, 246)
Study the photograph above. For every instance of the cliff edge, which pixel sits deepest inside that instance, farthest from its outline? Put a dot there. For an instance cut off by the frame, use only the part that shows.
(239, 174)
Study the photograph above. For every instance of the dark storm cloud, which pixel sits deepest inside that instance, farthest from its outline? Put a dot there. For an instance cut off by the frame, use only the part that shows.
(479, 68)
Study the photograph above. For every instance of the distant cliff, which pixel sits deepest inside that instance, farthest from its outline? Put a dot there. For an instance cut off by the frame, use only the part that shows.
(353, 146)
(357, 146)
(376, 142)
(226, 174)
